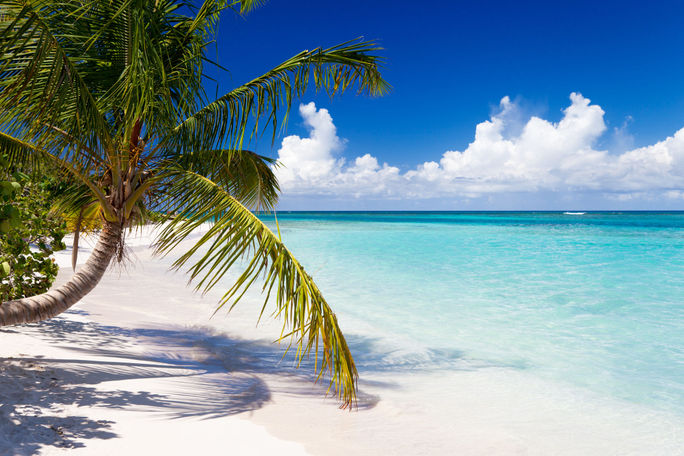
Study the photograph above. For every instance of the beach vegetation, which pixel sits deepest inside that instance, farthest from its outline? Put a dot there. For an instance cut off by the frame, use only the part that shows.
(29, 234)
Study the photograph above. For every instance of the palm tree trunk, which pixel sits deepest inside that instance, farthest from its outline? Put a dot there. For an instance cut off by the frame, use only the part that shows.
(57, 300)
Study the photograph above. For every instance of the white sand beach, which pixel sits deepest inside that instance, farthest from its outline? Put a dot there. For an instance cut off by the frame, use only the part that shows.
(138, 367)
(113, 376)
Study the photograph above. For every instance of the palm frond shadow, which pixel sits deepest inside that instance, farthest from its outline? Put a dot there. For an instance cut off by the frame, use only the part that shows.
(29, 391)
(212, 375)
(33, 390)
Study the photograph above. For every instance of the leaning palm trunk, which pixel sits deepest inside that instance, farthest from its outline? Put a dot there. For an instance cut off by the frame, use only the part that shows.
(57, 300)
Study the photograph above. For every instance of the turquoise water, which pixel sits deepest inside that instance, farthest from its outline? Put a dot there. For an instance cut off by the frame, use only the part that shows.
(593, 300)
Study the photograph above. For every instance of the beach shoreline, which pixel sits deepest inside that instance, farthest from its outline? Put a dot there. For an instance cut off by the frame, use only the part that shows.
(140, 364)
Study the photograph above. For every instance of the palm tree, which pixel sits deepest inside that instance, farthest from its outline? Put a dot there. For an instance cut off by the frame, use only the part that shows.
(111, 93)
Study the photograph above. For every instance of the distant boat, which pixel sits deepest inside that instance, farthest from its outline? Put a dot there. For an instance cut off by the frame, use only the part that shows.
(574, 213)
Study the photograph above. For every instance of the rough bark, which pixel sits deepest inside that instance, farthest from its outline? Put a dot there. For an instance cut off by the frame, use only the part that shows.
(57, 300)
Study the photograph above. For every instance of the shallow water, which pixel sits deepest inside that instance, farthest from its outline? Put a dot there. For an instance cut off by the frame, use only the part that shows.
(594, 301)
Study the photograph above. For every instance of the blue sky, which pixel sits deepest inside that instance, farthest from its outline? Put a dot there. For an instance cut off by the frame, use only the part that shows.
(450, 65)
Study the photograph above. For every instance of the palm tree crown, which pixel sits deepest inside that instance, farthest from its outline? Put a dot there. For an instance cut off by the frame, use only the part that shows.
(111, 93)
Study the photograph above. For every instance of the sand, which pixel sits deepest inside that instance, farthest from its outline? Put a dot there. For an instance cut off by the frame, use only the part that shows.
(117, 374)
(139, 367)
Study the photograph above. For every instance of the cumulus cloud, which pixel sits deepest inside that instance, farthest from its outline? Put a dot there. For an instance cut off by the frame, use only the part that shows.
(309, 165)
(506, 155)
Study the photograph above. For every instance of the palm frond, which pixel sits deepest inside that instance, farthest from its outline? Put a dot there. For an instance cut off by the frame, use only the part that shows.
(20, 153)
(246, 176)
(41, 86)
(245, 6)
(31, 157)
(237, 234)
(228, 118)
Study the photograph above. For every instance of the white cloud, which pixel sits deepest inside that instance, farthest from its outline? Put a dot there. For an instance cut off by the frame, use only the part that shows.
(674, 194)
(310, 161)
(506, 155)
(308, 165)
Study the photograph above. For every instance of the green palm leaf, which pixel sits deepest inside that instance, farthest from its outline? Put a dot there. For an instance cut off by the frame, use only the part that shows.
(41, 87)
(334, 69)
(20, 153)
(247, 176)
(237, 234)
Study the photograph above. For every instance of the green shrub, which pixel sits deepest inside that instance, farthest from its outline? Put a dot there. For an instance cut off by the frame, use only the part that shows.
(29, 235)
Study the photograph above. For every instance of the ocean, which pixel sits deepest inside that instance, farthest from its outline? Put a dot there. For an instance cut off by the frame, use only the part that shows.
(591, 300)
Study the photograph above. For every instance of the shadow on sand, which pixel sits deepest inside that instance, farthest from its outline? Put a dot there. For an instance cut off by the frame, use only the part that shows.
(40, 396)
(211, 375)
